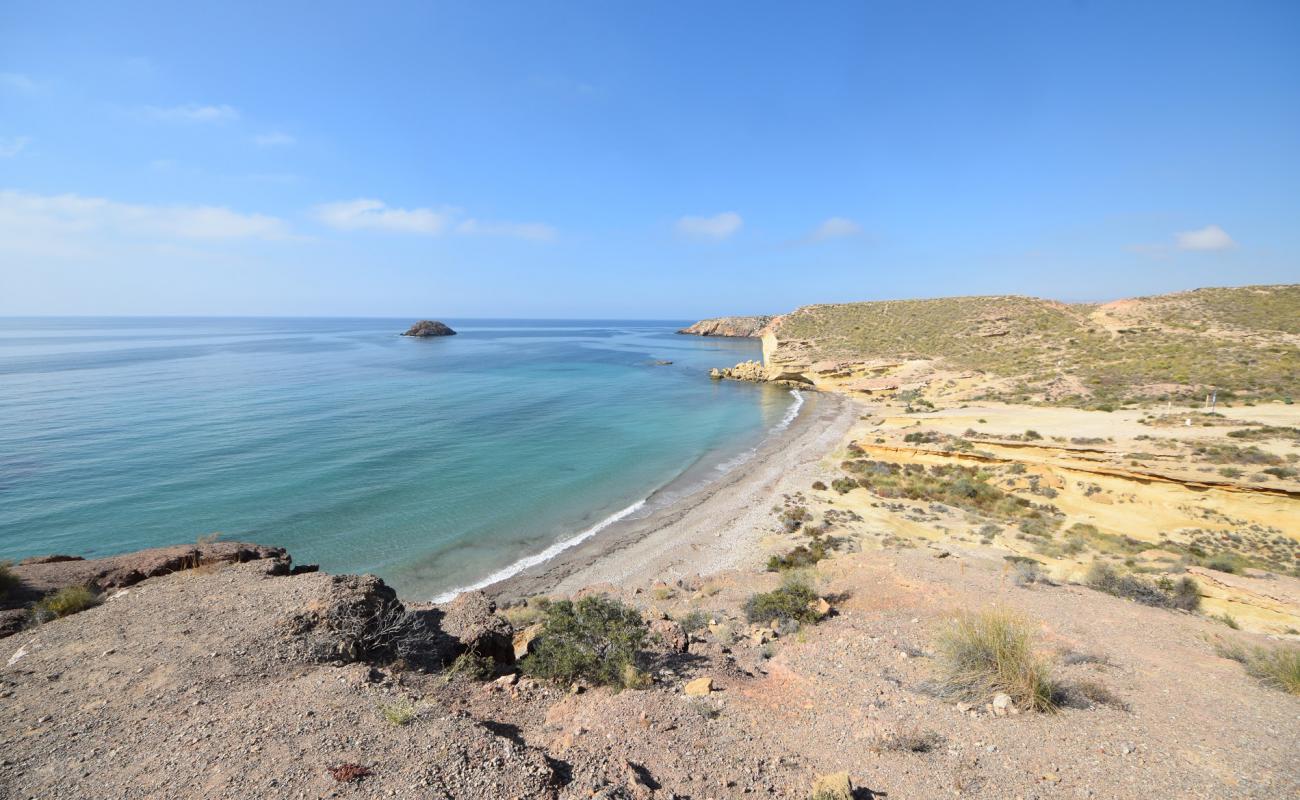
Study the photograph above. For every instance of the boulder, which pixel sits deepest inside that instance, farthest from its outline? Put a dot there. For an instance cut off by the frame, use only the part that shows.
(670, 635)
(523, 640)
(1002, 704)
(428, 327)
(471, 619)
(700, 687)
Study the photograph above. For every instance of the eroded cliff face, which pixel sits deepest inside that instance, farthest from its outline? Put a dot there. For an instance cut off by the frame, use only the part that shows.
(794, 362)
(742, 327)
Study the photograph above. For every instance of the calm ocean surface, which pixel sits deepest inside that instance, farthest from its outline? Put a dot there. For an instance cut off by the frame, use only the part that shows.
(433, 463)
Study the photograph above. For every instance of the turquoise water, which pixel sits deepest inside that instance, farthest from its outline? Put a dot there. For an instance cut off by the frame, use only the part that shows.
(433, 463)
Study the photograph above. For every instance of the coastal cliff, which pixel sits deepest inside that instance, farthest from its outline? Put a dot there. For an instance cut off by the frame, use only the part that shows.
(1019, 349)
(739, 327)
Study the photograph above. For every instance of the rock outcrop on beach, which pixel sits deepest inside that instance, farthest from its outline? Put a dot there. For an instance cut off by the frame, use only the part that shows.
(428, 327)
(740, 327)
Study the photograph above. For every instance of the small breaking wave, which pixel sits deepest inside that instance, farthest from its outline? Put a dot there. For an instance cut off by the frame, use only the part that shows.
(544, 556)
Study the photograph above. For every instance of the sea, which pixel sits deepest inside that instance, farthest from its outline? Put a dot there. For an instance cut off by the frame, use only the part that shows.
(438, 464)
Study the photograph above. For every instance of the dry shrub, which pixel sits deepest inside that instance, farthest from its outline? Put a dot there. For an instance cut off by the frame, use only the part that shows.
(990, 652)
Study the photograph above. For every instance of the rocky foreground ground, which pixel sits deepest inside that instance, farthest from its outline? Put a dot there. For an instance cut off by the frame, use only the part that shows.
(237, 680)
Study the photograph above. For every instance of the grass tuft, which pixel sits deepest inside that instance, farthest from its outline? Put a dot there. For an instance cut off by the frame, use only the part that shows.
(65, 602)
(1275, 667)
(398, 712)
(982, 654)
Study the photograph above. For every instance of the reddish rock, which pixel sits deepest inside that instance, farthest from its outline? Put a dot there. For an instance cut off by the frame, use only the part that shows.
(45, 575)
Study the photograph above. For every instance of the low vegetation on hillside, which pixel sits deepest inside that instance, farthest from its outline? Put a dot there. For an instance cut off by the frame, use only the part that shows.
(1240, 341)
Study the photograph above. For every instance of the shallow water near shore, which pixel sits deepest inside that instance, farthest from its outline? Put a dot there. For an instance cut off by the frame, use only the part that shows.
(435, 463)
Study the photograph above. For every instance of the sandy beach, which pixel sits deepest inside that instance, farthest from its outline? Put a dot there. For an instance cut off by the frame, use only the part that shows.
(717, 528)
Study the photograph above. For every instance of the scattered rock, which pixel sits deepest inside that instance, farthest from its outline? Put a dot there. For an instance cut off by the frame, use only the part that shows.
(1002, 704)
(700, 687)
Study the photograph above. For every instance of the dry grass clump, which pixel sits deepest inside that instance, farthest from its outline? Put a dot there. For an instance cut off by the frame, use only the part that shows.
(1275, 667)
(526, 612)
(65, 602)
(983, 654)
(472, 665)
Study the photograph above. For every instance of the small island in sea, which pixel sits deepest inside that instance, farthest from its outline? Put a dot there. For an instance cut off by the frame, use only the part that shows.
(426, 328)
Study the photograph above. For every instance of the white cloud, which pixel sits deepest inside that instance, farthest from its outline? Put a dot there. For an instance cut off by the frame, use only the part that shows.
(535, 231)
(719, 226)
(77, 216)
(193, 112)
(12, 146)
(370, 214)
(835, 228)
(18, 82)
(1211, 237)
(274, 139)
(366, 214)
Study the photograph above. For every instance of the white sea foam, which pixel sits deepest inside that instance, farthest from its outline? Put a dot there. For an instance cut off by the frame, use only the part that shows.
(546, 555)
(559, 547)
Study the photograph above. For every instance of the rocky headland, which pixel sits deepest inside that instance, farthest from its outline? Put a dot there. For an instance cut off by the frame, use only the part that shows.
(427, 327)
(741, 327)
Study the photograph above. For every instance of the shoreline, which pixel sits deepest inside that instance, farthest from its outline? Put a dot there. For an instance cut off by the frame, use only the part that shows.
(713, 529)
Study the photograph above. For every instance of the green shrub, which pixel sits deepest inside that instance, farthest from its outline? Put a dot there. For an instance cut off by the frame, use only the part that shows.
(1223, 563)
(1181, 594)
(844, 485)
(65, 602)
(804, 555)
(819, 486)
(792, 602)
(983, 654)
(596, 639)
(1276, 667)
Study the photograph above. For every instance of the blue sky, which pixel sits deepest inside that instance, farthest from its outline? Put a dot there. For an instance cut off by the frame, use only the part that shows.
(665, 160)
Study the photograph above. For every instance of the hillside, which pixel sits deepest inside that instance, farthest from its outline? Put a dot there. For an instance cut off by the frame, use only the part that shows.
(1244, 342)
